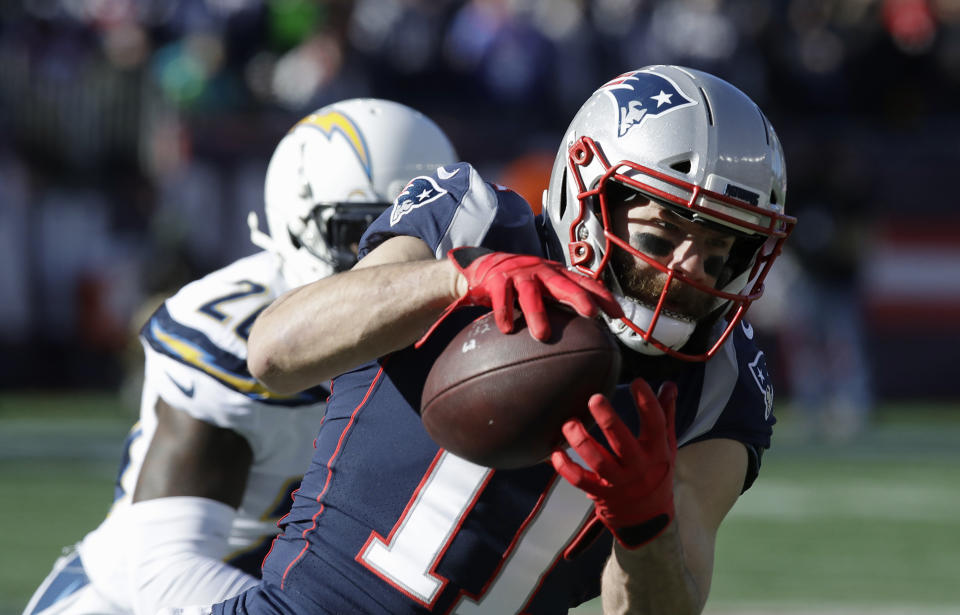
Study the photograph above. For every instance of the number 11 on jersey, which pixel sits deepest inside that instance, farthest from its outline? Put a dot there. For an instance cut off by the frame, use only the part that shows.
(408, 557)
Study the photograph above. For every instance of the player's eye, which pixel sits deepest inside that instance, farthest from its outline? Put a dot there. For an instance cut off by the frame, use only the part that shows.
(713, 265)
(720, 243)
(667, 226)
(619, 194)
(651, 244)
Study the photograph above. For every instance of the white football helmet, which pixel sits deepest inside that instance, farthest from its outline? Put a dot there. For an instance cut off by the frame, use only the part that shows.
(334, 173)
(688, 141)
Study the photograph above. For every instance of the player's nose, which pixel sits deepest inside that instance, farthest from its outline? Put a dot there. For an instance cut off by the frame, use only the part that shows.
(689, 258)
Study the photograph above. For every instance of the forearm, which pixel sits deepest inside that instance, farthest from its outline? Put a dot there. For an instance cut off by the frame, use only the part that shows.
(320, 330)
(653, 579)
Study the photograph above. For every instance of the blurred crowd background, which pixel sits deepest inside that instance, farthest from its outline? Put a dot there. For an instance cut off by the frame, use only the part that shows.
(134, 135)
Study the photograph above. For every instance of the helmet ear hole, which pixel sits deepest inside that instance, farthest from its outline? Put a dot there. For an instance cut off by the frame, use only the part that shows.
(683, 166)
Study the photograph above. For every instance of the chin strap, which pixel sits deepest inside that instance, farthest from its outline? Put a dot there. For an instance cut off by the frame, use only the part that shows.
(669, 331)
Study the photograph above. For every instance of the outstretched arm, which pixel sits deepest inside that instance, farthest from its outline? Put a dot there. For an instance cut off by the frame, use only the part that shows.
(663, 506)
(384, 303)
(672, 574)
(391, 297)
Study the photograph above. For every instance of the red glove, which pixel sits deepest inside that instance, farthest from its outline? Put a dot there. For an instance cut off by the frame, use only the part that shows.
(496, 279)
(632, 487)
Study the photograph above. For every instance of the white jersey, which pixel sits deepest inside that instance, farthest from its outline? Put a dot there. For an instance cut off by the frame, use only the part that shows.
(195, 348)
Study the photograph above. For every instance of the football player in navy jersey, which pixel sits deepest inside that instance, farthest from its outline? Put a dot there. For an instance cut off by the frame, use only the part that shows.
(209, 468)
(664, 213)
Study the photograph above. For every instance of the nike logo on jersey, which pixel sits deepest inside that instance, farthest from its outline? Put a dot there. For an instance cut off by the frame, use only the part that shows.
(442, 173)
(186, 391)
(747, 329)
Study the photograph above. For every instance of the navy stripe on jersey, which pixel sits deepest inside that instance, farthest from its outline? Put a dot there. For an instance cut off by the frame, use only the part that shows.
(70, 579)
(193, 348)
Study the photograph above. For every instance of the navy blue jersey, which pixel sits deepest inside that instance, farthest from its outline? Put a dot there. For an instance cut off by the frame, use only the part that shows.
(386, 522)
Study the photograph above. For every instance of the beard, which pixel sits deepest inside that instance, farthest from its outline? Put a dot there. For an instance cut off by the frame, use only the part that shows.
(644, 284)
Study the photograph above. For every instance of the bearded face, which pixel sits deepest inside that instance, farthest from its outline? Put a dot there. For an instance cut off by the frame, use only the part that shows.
(696, 250)
(644, 284)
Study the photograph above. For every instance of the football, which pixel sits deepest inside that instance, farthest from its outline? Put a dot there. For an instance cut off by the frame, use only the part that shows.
(499, 400)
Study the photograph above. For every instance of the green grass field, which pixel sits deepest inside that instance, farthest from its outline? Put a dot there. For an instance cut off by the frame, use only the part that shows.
(872, 526)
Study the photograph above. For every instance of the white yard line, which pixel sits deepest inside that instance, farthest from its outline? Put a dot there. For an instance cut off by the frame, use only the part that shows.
(861, 499)
(830, 610)
(593, 608)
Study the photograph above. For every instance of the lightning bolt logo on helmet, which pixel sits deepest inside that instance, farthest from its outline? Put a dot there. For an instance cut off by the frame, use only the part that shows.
(640, 95)
(335, 122)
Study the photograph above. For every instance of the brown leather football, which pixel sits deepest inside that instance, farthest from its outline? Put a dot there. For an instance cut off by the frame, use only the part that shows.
(499, 400)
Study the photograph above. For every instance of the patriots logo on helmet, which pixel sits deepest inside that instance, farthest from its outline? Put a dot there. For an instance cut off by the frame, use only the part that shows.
(640, 95)
(758, 368)
(420, 191)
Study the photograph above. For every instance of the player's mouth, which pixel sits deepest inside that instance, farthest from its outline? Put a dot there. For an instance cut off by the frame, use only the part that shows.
(644, 285)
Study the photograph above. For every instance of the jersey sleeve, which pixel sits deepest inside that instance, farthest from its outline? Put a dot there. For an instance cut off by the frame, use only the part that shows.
(454, 207)
(747, 413)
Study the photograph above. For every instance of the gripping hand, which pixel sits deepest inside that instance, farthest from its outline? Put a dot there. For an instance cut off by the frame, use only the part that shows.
(632, 486)
(497, 279)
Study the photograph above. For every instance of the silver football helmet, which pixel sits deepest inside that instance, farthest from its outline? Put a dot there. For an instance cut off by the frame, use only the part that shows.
(690, 142)
(333, 173)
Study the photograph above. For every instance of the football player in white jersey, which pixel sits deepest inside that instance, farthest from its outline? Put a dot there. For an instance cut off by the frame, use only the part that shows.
(211, 465)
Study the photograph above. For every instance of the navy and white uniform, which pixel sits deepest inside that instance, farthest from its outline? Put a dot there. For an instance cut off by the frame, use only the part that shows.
(195, 350)
(385, 522)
